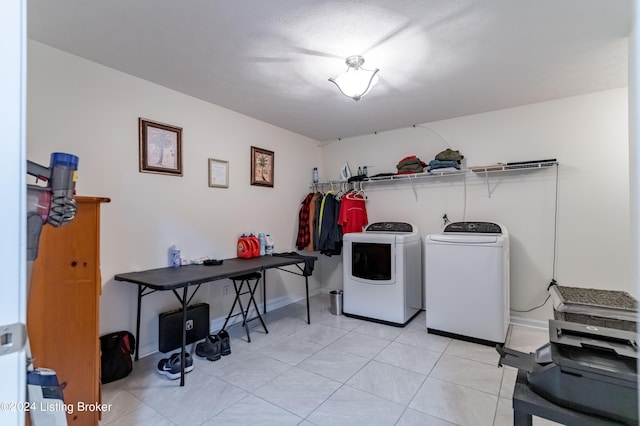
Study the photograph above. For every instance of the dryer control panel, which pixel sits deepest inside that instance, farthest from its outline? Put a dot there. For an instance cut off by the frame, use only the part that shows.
(474, 227)
(397, 227)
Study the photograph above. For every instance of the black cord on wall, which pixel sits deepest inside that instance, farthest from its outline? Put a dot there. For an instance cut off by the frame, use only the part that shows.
(555, 244)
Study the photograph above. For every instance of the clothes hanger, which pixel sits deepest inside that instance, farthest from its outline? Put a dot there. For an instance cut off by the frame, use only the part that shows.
(344, 189)
(357, 194)
(331, 190)
(361, 192)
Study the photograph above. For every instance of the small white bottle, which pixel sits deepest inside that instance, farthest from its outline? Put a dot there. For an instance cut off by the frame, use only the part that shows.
(315, 175)
(268, 245)
(176, 261)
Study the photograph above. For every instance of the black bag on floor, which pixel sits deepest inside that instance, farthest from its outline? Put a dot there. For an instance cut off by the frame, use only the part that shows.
(117, 349)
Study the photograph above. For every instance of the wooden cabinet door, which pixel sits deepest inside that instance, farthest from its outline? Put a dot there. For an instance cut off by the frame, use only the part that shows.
(63, 309)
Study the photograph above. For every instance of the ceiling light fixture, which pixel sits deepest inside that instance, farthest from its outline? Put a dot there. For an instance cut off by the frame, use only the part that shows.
(356, 81)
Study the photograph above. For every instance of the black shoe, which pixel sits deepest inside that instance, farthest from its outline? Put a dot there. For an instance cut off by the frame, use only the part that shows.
(225, 344)
(210, 348)
(170, 367)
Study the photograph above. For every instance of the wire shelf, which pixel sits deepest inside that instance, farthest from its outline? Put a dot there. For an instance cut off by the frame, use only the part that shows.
(500, 167)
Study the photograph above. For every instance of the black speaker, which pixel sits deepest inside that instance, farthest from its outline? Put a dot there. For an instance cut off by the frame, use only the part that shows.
(170, 326)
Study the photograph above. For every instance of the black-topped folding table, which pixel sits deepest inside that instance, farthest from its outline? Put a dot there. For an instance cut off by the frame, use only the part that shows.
(174, 279)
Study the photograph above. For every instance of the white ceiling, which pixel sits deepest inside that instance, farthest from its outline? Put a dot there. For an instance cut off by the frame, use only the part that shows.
(272, 59)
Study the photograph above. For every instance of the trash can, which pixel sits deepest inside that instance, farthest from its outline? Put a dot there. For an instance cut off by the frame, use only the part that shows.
(336, 302)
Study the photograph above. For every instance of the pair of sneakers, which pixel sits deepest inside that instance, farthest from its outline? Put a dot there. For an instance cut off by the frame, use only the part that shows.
(214, 346)
(170, 367)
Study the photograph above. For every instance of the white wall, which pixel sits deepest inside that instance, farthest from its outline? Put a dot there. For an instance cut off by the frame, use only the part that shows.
(83, 108)
(589, 137)
(92, 111)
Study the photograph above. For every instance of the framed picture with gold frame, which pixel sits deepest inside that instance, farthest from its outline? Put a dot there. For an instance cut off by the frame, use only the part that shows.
(160, 148)
(262, 167)
(218, 173)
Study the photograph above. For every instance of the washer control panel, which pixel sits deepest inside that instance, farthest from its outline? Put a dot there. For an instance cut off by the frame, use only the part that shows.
(474, 227)
(398, 227)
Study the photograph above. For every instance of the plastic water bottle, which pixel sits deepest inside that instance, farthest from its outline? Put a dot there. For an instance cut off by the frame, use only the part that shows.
(268, 245)
(315, 175)
(263, 244)
(176, 261)
(365, 171)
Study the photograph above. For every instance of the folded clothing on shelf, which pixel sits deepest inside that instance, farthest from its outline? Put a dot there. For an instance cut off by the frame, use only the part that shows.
(410, 164)
(443, 164)
(445, 170)
(449, 155)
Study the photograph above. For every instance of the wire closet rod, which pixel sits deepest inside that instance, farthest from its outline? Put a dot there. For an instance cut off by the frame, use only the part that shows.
(480, 171)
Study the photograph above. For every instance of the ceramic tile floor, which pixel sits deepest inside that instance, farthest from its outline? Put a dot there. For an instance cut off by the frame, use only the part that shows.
(336, 371)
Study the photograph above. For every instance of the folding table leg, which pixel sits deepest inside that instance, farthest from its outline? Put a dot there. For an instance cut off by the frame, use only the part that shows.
(140, 290)
(264, 291)
(253, 300)
(184, 333)
(226, 321)
(306, 282)
(245, 323)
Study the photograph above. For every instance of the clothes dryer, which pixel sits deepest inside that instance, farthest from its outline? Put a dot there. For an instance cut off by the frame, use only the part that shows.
(466, 271)
(382, 273)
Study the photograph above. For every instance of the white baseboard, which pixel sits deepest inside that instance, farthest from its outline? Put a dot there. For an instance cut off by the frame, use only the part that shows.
(148, 349)
(526, 322)
(217, 323)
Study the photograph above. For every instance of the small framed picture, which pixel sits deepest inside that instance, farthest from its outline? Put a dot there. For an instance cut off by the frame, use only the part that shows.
(262, 167)
(160, 147)
(218, 173)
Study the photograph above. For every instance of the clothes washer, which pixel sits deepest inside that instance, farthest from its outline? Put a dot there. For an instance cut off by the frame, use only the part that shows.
(382, 273)
(466, 271)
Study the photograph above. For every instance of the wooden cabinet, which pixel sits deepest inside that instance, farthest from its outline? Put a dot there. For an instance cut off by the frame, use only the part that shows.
(64, 307)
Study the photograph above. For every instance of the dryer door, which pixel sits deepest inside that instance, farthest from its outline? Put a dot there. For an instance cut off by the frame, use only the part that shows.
(373, 262)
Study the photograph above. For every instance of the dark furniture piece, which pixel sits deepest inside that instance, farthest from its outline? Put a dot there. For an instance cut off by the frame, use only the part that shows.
(527, 403)
(175, 279)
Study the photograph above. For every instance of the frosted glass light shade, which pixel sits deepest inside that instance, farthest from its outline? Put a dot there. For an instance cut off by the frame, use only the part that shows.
(356, 81)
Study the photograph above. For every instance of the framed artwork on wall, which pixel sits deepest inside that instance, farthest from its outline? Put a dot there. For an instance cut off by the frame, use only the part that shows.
(262, 167)
(218, 173)
(160, 148)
